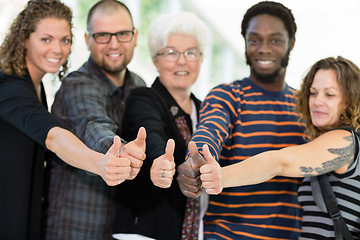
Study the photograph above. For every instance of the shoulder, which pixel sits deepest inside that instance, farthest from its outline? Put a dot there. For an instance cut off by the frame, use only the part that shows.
(79, 81)
(234, 86)
(77, 77)
(138, 81)
(13, 79)
(227, 91)
(88, 73)
(141, 93)
(15, 85)
(290, 90)
(341, 136)
(195, 99)
(77, 88)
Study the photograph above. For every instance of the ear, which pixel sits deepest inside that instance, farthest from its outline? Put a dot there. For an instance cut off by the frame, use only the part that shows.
(201, 59)
(87, 40)
(136, 33)
(156, 63)
(292, 43)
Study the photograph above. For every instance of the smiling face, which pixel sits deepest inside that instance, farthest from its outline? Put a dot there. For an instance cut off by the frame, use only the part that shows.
(112, 57)
(325, 99)
(180, 74)
(267, 48)
(48, 47)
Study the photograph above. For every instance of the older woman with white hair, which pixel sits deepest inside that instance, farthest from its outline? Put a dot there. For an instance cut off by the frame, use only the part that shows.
(167, 110)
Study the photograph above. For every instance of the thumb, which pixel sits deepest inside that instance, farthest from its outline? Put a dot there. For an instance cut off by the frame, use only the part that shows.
(196, 160)
(207, 154)
(115, 147)
(141, 137)
(169, 151)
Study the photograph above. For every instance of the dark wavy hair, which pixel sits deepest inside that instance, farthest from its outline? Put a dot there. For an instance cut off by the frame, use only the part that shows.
(274, 9)
(13, 51)
(348, 78)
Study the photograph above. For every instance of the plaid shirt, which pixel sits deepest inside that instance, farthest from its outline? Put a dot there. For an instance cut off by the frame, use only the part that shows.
(80, 204)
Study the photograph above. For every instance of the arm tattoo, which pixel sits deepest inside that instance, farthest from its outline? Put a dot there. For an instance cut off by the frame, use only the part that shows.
(344, 156)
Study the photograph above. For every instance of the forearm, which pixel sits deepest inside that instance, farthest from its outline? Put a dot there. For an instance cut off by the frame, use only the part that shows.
(254, 170)
(214, 123)
(97, 136)
(71, 150)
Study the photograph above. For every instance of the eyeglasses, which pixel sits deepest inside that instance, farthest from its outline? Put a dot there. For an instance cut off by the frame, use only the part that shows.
(105, 37)
(173, 55)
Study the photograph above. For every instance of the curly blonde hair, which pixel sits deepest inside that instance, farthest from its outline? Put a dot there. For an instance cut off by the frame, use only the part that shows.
(13, 51)
(348, 78)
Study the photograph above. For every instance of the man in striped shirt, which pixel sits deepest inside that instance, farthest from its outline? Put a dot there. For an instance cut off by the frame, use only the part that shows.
(244, 118)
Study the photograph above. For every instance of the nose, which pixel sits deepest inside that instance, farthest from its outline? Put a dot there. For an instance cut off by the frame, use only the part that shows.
(265, 47)
(181, 59)
(114, 43)
(56, 47)
(319, 99)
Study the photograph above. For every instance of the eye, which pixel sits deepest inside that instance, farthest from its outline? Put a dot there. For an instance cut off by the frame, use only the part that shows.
(252, 41)
(102, 34)
(172, 53)
(277, 41)
(66, 40)
(46, 40)
(124, 33)
(192, 54)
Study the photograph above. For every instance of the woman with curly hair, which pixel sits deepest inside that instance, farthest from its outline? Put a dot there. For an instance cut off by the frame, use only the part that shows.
(39, 42)
(328, 103)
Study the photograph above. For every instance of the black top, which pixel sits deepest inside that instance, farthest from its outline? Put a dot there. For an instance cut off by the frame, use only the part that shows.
(155, 212)
(24, 125)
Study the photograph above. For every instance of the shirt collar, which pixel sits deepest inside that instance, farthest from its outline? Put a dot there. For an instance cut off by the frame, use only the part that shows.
(95, 70)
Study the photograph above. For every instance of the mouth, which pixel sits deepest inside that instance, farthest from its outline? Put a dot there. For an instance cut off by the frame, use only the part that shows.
(319, 113)
(265, 62)
(114, 56)
(53, 60)
(181, 73)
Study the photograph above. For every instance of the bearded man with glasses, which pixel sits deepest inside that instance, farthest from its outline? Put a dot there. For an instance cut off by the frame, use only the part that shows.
(90, 103)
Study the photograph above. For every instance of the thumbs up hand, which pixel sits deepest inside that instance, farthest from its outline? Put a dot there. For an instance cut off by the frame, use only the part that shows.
(211, 173)
(189, 174)
(135, 152)
(196, 159)
(114, 169)
(163, 167)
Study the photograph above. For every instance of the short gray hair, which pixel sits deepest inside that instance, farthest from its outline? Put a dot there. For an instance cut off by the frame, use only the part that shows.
(186, 23)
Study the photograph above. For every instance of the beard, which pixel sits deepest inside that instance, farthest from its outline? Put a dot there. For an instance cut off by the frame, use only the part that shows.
(113, 69)
(270, 77)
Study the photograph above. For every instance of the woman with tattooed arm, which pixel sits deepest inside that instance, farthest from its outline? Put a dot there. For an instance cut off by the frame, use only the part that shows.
(328, 103)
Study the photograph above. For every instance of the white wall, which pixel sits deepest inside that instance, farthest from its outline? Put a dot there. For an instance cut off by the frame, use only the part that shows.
(325, 28)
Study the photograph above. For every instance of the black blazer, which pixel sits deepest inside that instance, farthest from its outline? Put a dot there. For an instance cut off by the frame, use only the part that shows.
(142, 207)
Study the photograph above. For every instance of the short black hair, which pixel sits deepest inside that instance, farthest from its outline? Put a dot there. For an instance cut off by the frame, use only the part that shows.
(106, 4)
(274, 9)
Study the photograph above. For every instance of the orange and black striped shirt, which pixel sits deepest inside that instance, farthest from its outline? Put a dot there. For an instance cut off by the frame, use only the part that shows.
(239, 120)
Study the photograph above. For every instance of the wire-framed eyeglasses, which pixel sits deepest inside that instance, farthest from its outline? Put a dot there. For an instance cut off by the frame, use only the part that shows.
(105, 37)
(173, 55)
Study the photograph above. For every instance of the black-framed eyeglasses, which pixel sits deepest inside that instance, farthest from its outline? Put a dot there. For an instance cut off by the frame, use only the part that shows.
(173, 55)
(105, 37)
